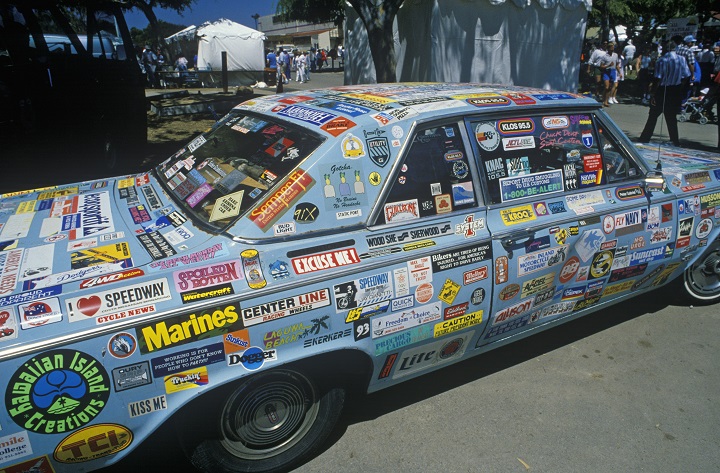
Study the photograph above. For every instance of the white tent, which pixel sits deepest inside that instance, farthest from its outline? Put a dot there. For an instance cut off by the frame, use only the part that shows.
(533, 43)
(244, 47)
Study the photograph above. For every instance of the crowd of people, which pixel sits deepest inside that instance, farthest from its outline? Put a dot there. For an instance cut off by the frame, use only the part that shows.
(668, 74)
(153, 63)
(283, 62)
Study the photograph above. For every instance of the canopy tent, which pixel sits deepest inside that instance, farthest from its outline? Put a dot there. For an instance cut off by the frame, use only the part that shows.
(534, 43)
(244, 47)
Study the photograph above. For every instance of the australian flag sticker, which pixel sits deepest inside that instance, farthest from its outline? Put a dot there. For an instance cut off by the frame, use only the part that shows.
(378, 151)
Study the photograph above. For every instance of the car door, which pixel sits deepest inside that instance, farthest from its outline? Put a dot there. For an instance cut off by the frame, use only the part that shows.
(564, 213)
(432, 216)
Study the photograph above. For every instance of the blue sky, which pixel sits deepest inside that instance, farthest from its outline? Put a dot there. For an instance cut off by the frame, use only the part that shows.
(239, 11)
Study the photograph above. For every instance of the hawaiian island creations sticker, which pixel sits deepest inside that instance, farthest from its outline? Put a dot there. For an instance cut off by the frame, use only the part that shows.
(57, 391)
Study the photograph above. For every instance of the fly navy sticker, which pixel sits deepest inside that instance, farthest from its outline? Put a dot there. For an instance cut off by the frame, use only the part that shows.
(57, 391)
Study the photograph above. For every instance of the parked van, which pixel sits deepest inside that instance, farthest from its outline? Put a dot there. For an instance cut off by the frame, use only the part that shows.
(56, 86)
(102, 45)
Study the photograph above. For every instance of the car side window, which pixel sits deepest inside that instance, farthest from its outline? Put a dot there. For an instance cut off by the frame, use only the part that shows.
(532, 156)
(434, 178)
(618, 166)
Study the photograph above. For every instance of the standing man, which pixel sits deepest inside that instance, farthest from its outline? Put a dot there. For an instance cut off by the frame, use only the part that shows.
(683, 50)
(595, 70)
(667, 89)
(629, 53)
(150, 59)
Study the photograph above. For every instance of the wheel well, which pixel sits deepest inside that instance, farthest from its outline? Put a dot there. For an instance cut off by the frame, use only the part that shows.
(349, 368)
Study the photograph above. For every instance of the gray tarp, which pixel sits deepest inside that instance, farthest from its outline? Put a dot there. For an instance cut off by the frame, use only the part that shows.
(534, 43)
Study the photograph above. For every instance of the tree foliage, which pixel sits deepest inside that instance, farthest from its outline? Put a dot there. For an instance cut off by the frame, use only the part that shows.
(313, 11)
(145, 36)
(148, 8)
(646, 14)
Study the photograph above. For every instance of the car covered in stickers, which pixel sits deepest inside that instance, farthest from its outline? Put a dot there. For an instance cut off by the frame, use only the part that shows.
(320, 241)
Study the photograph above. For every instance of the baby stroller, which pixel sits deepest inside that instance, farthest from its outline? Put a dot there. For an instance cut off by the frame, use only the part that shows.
(693, 109)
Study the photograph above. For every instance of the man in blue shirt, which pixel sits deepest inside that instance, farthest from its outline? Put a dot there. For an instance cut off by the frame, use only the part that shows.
(667, 88)
(271, 60)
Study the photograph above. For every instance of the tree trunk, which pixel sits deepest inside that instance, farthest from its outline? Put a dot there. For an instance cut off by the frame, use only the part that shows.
(378, 17)
(153, 22)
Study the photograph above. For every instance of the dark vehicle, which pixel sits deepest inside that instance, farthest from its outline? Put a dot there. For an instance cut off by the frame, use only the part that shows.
(62, 91)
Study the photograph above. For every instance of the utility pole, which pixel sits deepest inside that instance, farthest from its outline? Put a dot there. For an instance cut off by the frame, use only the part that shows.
(255, 17)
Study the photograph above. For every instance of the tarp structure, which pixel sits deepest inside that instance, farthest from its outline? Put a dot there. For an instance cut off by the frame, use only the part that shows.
(534, 43)
(244, 47)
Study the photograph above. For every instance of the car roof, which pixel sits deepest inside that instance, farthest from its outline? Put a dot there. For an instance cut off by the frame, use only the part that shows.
(371, 104)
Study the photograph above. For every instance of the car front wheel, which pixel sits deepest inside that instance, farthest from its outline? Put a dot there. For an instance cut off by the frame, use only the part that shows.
(702, 279)
(273, 421)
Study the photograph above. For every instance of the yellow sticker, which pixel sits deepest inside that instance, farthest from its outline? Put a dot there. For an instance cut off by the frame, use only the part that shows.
(449, 291)
(123, 183)
(515, 215)
(227, 206)
(190, 379)
(457, 323)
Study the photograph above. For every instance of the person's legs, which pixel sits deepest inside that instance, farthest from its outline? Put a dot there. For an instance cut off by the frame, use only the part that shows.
(675, 95)
(653, 114)
(606, 94)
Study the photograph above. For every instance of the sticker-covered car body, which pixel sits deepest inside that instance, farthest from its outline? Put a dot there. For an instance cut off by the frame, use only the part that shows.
(353, 236)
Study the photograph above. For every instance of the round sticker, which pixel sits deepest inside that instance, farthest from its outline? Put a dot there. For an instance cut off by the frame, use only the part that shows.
(57, 391)
(601, 264)
(704, 228)
(460, 169)
(487, 136)
(478, 296)
(122, 345)
(569, 269)
(424, 292)
(397, 132)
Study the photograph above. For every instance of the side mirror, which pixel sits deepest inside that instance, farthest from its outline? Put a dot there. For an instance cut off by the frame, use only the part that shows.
(654, 182)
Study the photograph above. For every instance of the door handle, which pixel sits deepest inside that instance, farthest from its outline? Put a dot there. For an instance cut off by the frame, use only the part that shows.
(516, 238)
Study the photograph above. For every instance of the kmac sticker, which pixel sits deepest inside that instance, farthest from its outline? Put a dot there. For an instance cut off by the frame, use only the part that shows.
(57, 391)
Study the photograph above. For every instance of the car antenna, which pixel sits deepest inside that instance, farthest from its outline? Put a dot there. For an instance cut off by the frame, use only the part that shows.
(658, 165)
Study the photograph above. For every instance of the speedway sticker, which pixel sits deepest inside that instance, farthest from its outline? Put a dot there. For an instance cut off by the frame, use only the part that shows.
(539, 260)
(363, 291)
(120, 301)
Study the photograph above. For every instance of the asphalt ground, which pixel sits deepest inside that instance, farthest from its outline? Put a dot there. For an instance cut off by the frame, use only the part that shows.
(632, 388)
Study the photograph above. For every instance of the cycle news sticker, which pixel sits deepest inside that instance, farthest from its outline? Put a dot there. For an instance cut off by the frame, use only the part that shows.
(57, 391)
(119, 303)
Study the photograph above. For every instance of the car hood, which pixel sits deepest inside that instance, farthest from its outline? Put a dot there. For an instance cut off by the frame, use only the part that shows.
(56, 236)
(679, 162)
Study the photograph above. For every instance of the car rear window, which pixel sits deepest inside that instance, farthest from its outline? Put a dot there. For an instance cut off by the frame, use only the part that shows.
(222, 173)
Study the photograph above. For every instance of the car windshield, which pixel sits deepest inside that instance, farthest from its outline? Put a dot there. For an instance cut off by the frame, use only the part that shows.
(222, 173)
